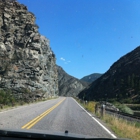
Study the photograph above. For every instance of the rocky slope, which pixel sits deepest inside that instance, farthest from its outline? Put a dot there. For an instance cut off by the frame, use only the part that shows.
(92, 77)
(121, 82)
(27, 63)
(68, 85)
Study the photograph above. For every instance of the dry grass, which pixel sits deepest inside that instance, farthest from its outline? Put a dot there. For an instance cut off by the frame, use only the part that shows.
(90, 106)
(123, 128)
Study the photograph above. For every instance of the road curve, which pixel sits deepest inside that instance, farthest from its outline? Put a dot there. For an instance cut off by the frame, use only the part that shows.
(54, 115)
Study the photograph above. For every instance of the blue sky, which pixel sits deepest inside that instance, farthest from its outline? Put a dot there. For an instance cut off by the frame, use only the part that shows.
(88, 36)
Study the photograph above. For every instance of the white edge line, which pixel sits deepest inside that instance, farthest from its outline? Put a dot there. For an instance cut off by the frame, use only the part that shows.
(96, 120)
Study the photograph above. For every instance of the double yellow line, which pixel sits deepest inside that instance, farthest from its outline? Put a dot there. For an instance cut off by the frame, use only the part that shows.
(38, 118)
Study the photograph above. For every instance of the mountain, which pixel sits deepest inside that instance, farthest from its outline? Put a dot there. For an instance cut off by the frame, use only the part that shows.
(92, 77)
(27, 63)
(69, 85)
(121, 82)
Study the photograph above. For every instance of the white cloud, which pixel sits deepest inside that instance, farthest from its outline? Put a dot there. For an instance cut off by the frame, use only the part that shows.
(63, 59)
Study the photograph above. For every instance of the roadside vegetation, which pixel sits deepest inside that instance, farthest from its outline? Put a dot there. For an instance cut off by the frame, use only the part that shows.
(122, 128)
(90, 106)
(8, 100)
(135, 108)
(123, 108)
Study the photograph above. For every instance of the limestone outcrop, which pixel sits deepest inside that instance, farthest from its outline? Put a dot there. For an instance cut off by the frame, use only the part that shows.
(27, 63)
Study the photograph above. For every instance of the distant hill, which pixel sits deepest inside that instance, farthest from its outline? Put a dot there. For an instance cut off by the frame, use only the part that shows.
(121, 82)
(69, 85)
(92, 77)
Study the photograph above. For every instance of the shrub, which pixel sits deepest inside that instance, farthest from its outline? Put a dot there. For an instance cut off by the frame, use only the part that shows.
(124, 108)
(6, 97)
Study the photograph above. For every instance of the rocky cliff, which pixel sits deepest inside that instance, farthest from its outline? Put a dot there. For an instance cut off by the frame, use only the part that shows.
(121, 82)
(68, 85)
(27, 63)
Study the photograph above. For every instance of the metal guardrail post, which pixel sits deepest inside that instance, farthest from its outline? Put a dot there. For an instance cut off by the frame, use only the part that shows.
(103, 110)
(96, 109)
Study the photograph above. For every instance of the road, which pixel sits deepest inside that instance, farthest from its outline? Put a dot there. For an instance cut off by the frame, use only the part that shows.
(54, 115)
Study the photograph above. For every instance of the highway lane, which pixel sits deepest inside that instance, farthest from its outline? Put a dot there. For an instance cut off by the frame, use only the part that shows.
(16, 118)
(55, 115)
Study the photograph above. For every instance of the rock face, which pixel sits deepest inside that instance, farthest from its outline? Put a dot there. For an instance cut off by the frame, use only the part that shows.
(121, 82)
(26, 60)
(68, 85)
(91, 78)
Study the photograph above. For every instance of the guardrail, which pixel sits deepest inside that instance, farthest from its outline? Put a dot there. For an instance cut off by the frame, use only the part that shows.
(102, 110)
(124, 115)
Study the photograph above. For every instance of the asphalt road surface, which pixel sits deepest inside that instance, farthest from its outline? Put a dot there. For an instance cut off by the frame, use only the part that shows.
(55, 115)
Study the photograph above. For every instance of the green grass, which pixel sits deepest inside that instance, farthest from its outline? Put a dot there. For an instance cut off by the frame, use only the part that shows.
(123, 108)
(134, 106)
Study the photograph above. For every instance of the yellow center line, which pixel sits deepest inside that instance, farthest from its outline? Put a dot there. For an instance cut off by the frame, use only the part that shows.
(38, 118)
